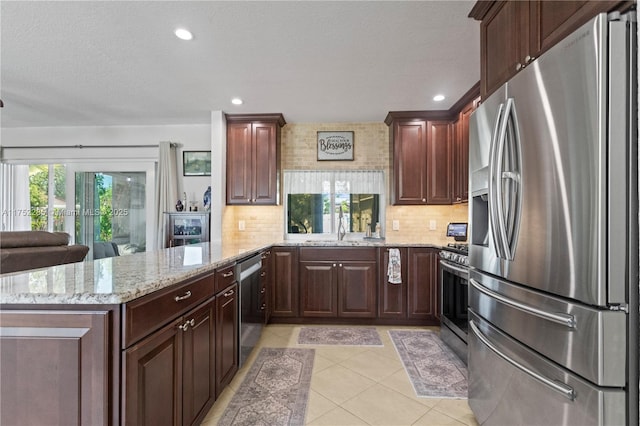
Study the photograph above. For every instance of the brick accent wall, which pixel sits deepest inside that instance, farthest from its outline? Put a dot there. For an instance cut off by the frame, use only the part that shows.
(371, 152)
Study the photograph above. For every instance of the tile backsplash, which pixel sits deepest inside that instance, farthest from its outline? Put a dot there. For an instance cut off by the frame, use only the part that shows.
(265, 224)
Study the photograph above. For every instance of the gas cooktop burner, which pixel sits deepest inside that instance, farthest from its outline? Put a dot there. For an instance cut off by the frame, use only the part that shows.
(459, 246)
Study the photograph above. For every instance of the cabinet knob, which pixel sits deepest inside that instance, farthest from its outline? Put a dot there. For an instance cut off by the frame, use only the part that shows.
(528, 59)
(518, 66)
(340, 265)
(263, 290)
(184, 327)
(424, 200)
(262, 307)
(334, 265)
(184, 296)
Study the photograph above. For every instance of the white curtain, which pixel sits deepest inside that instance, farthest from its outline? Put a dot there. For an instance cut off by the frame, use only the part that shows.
(15, 204)
(166, 188)
(319, 181)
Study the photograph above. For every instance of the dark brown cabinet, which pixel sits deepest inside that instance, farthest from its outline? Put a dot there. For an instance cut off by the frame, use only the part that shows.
(392, 297)
(170, 375)
(153, 378)
(421, 157)
(265, 284)
(45, 354)
(253, 158)
(439, 162)
(422, 282)
(226, 347)
(461, 153)
(338, 282)
(284, 282)
(198, 363)
(409, 142)
(416, 298)
(513, 33)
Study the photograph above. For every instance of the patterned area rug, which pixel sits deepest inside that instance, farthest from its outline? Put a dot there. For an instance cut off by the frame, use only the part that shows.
(355, 336)
(434, 370)
(275, 391)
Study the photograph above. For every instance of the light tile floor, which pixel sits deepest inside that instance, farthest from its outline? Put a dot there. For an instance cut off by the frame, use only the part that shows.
(362, 385)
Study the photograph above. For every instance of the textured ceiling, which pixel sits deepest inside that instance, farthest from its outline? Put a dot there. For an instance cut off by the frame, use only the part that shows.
(82, 63)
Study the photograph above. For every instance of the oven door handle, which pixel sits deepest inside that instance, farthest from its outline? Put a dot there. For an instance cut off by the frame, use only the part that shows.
(558, 318)
(455, 268)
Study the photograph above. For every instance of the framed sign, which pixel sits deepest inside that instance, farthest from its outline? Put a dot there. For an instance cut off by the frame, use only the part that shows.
(196, 163)
(335, 146)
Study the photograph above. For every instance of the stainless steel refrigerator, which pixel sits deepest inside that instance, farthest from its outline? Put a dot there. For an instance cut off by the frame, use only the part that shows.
(553, 289)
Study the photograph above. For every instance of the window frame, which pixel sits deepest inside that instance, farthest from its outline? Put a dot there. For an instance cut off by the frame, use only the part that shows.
(333, 235)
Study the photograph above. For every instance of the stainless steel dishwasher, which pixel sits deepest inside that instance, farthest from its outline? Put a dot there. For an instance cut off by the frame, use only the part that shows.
(252, 315)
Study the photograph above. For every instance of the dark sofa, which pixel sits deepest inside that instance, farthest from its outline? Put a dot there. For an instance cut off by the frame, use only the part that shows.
(22, 250)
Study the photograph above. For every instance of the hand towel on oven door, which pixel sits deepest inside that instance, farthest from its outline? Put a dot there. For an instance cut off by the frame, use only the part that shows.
(393, 270)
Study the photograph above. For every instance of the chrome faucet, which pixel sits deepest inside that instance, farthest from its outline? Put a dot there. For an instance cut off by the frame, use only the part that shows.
(341, 230)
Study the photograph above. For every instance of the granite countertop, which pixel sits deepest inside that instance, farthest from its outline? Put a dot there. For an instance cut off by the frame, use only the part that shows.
(121, 279)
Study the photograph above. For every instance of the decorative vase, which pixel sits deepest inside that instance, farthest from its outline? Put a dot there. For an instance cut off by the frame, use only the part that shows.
(179, 206)
(206, 200)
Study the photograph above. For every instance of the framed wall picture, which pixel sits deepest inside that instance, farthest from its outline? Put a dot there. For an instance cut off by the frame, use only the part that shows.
(335, 146)
(196, 163)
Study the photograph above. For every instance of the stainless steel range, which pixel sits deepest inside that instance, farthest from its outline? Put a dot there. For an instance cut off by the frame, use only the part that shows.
(454, 276)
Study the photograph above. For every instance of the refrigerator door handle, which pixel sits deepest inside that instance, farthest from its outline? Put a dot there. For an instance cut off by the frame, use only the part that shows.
(493, 184)
(507, 154)
(561, 388)
(562, 319)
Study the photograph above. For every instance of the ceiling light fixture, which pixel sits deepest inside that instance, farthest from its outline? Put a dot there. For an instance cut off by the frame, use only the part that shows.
(438, 98)
(236, 101)
(183, 34)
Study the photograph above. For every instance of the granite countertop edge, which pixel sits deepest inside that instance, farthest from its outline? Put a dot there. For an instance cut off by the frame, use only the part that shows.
(140, 274)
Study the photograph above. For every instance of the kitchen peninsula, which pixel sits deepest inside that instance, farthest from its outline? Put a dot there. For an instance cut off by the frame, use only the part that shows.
(135, 338)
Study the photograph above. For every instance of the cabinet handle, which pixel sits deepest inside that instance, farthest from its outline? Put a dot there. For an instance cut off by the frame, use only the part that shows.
(262, 307)
(184, 296)
(227, 274)
(185, 326)
(263, 274)
(263, 290)
(266, 254)
(229, 293)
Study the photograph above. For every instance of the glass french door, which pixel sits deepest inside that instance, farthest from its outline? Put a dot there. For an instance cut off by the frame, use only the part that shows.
(111, 206)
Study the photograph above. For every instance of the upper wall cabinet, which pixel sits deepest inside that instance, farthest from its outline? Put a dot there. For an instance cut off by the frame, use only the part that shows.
(253, 158)
(513, 33)
(429, 152)
(420, 143)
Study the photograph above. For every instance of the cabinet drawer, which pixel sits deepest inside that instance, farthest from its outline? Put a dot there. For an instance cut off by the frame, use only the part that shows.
(333, 254)
(144, 315)
(225, 277)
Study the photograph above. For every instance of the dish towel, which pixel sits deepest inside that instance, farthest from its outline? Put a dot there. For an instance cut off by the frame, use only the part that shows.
(393, 271)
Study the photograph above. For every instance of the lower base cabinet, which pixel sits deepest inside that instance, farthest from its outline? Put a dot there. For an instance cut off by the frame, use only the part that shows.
(226, 337)
(422, 283)
(55, 367)
(338, 282)
(170, 375)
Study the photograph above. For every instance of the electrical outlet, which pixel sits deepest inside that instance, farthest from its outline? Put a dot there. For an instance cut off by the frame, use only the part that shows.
(241, 225)
(432, 225)
(395, 225)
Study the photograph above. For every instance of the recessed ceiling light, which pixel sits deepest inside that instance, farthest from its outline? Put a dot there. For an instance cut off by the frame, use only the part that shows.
(183, 34)
(236, 101)
(438, 98)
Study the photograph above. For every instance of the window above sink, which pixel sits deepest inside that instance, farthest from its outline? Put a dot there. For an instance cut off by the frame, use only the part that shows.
(313, 200)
